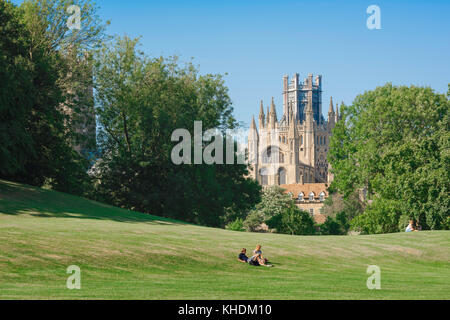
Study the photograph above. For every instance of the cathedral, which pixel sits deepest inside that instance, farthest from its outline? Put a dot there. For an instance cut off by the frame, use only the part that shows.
(293, 149)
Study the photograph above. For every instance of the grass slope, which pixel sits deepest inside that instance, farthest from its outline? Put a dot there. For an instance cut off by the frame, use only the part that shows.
(129, 255)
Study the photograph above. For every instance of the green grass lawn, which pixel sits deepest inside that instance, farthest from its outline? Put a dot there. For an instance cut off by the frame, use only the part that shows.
(129, 255)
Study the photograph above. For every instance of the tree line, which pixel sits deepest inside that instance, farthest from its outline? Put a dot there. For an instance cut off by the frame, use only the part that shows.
(46, 71)
(390, 153)
(390, 156)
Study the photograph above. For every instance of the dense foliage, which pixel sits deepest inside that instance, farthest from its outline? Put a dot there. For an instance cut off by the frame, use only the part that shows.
(339, 212)
(335, 225)
(236, 225)
(292, 221)
(390, 154)
(394, 143)
(140, 102)
(278, 211)
(36, 139)
(47, 131)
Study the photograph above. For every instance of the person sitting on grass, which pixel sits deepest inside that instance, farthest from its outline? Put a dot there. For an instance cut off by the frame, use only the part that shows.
(410, 227)
(257, 256)
(243, 258)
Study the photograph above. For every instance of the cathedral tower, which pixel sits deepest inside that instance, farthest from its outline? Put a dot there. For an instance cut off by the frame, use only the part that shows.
(293, 149)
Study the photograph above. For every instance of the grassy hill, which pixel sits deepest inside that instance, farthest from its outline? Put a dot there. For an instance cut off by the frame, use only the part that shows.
(129, 255)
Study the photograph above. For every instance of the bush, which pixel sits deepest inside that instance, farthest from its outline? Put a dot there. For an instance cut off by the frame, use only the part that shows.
(236, 225)
(253, 221)
(447, 223)
(273, 202)
(335, 225)
(330, 227)
(292, 221)
(349, 207)
(382, 216)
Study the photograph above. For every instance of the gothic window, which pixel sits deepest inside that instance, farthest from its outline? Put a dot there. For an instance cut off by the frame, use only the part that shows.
(281, 176)
(301, 140)
(300, 196)
(270, 155)
(311, 196)
(322, 196)
(281, 158)
(264, 177)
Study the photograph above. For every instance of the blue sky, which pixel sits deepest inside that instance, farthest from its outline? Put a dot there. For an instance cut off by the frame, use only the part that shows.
(257, 42)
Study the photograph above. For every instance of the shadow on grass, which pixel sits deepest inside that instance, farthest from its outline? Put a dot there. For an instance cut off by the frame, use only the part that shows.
(18, 199)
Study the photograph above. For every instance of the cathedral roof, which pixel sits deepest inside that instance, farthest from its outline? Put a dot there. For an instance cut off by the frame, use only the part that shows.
(306, 188)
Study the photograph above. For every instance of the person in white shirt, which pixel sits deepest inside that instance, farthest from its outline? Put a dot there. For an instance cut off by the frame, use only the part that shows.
(257, 255)
(410, 227)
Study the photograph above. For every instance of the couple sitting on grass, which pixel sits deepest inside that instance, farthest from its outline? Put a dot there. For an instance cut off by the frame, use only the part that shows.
(256, 260)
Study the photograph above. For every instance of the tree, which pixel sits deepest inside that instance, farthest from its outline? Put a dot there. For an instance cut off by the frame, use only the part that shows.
(141, 101)
(253, 221)
(273, 202)
(16, 83)
(47, 21)
(48, 29)
(236, 225)
(292, 221)
(380, 217)
(340, 211)
(278, 211)
(394, 142)
(44, 78)
(335, 225)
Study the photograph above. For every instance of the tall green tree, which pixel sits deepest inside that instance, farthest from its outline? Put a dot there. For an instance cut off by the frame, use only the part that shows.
(394, 143)
(15, 87)
(51, 27)
(44, 90)
(140, 102)
(49, 22)
(274, 201)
